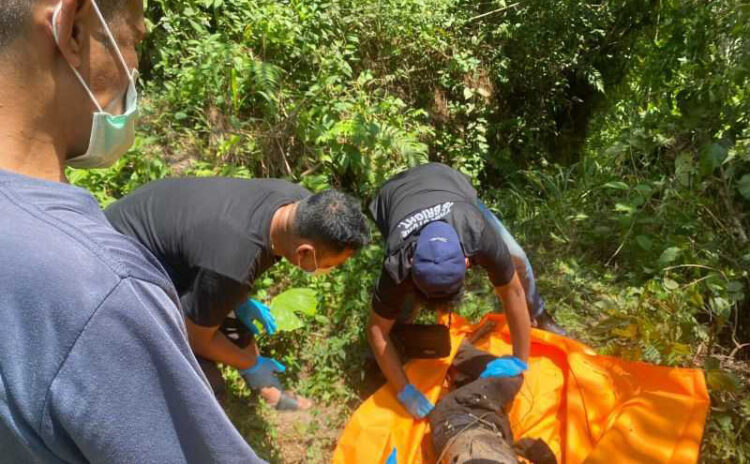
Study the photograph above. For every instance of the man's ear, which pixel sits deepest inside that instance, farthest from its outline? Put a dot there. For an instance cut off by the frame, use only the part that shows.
(305, 249)
(69, 29)
(305, 254)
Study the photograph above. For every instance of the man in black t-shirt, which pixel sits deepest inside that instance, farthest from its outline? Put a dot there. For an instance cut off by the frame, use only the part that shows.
(215, 236)
(435, 228)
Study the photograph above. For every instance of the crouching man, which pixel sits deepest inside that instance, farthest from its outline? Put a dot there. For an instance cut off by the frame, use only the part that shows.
(215, 236)
(435, 229)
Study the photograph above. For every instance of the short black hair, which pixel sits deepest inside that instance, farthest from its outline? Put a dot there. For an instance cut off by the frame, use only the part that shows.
(332, 219)
(450, 302)
(15, 15)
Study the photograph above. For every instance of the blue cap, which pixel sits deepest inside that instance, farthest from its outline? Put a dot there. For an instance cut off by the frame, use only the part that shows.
(439, 266)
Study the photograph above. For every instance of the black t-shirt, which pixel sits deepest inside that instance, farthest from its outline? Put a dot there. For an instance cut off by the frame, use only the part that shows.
(211, 235)
(413, 199)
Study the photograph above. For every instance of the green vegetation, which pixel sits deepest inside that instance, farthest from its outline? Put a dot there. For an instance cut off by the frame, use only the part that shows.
(613, 136)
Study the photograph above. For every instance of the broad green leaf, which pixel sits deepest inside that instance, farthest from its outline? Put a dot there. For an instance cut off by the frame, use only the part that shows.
(578, 217)
(623, 208)
(711, 157)
(286, 321)
(735, 286)
(644, 242)
(299, 300)
(617, 185)
(670, 284)
(743, 186)
(669, 255)
(746, 407)
(712, 364)
(680, 349)
(644, 189)
(286, 306)
(557, 238)
(720, 306)
(322, 319)
(720, 380)
(725, 423)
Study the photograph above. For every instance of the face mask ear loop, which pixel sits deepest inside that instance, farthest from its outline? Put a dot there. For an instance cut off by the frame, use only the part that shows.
(55, 34)
(88, 91)
(299, 264)
(112, 41)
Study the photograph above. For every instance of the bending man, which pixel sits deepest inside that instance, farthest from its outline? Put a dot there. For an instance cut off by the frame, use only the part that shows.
(215, 236)
(435, 229)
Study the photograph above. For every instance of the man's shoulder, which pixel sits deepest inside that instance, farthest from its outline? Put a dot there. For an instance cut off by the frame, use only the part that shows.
(201, 197)
(61, 262)
(430, 170)
(279, 187)
(60, 239)
(194, 183)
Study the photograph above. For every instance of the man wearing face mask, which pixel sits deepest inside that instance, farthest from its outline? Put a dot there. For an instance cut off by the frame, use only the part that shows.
(95, 366)
(215, 236)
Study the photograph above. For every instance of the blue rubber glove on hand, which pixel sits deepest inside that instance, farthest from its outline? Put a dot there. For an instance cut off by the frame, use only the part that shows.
(415, 402)
(507, 366)
(254, 310)
(393, 458)
(263, 373)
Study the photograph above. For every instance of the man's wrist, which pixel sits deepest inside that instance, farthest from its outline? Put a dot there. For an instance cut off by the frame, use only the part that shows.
(402, 384)
(405, 392)
(399, 391)
(250, 370)
(251, 367)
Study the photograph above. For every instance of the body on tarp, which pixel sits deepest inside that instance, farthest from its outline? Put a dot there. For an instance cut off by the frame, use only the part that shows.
(586, 407)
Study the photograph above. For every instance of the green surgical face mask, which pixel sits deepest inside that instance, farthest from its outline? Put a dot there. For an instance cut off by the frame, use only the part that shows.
(111, 135)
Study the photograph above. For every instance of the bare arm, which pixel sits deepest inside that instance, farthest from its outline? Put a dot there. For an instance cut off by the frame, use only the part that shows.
(210, 343)
(514, 301)
(378, 334)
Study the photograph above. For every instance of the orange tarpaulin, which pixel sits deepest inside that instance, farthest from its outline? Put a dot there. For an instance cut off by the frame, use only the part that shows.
(588, 408)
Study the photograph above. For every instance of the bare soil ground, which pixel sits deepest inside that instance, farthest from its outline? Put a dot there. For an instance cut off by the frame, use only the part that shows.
(301, 437)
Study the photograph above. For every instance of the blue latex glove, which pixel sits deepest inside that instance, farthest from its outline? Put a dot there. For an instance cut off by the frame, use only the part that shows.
(507, 366)
(263, 373)
(254, 310)
(415, 402)
(392, 458)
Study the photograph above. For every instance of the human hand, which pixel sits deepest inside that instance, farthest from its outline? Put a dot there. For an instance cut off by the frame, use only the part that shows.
(253, 310)
(392, 458)
(507, 366)
(415, 402)
(263, 373)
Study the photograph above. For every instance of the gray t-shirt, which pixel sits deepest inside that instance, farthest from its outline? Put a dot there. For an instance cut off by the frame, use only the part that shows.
(95, 366)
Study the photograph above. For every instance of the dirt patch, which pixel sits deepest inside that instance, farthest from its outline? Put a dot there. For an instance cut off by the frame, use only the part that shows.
(307, 436)
(284, 437)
